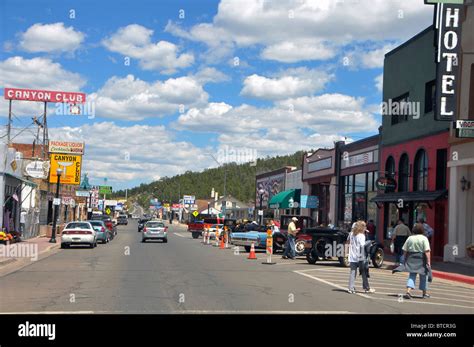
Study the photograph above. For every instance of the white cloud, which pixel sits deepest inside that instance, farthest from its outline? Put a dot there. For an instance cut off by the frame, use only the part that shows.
(35, 73)
(369, 57)
(133, 99)
(287, 84)
(51, 38)
(287, 25)
(379, 82)
(135, 42)
(298, 50)
(210, 75)
(125, 153)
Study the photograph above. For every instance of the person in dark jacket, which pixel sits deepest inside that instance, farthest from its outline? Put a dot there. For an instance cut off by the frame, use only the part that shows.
(417, 261)
(400, 235)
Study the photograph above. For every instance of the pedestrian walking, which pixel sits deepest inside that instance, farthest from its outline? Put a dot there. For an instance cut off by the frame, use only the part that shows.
(290, 251)
(427, 230)
(400, 235)
(417, 261)
(358, 257)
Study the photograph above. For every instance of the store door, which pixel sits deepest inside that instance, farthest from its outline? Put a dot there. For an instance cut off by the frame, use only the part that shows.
(439, 228)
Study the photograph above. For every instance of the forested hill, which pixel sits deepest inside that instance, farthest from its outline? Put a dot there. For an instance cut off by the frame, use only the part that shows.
(240, 181)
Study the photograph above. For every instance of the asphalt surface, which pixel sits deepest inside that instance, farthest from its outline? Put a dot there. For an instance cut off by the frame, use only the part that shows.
(185, 276)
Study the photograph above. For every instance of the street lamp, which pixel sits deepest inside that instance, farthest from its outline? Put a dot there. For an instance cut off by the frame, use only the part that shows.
(89, 208)
(59, 171)
(261, 191)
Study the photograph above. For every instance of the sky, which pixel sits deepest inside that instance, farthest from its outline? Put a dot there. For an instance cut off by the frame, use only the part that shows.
(174, 86)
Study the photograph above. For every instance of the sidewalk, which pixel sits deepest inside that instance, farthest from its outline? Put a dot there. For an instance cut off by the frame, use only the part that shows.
(39, 245)
(448, 271)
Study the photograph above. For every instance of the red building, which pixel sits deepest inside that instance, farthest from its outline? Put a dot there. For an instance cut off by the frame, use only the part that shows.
(419, 168)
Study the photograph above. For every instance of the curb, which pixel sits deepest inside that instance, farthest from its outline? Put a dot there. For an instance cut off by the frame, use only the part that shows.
(453, 277)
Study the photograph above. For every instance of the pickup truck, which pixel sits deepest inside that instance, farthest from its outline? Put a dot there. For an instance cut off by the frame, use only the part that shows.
(196, 228)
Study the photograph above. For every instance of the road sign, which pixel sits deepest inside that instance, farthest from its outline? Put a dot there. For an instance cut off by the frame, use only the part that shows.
(66, 147)
(195, 213)
(108, 210)
(189, 199)
(105, 190)
(71, 166)
(57, 201)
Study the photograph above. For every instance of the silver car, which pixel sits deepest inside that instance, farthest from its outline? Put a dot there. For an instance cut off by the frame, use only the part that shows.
(155, 230)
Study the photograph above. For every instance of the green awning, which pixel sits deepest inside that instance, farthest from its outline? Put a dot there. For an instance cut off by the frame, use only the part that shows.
(283, 199)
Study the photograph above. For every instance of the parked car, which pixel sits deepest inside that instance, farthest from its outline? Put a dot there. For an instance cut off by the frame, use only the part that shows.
(122, 220)
(328, 243)
(108, 222)
(141, 223)
(155, 229)
(103, 234)
(79, 233)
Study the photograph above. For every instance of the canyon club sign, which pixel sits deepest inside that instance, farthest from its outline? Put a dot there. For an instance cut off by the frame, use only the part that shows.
(44, 96)
(447, 21)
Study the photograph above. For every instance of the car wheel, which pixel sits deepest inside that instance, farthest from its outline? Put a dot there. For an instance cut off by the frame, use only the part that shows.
(195, 235)
(143, 240)
(247, 248)
(165, 240)
(63, 245)
(377, 260)
(344, 261)
(91, 245)
(300, 247)
(311, 258)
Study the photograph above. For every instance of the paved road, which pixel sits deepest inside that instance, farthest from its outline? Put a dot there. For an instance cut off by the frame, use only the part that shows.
(127, 276)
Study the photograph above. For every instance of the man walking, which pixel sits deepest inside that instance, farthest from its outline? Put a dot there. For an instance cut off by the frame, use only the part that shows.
(290, 251)
(428, 231)
(400, 235)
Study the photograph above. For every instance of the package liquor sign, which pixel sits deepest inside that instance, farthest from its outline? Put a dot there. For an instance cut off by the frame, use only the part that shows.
(448, 17)
(44, 95)
(66, 147)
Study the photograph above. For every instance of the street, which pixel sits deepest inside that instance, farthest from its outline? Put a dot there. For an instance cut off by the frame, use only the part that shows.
(185, 276)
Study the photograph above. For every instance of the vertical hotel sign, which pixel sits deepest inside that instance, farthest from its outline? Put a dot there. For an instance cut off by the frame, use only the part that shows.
(447, 20)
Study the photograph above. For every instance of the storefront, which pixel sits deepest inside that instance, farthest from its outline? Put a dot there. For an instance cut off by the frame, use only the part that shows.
(268, 185)
(419, 170)
(358, 175)
(320, 180)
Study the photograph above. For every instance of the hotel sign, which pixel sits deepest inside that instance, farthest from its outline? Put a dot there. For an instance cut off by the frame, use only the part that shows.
(448, 17)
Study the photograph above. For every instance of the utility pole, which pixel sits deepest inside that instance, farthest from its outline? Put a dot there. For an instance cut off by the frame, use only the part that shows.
(9, 126)
(45, 130)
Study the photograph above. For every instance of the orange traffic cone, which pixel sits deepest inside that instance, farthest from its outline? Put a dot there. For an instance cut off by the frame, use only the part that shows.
(222, 245)
(252, 254)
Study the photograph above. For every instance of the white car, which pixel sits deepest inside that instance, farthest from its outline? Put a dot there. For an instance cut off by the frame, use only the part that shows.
(79, 233)
(155, 229)
(213, 229)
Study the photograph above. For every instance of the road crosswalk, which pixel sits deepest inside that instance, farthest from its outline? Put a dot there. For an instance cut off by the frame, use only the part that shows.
(391, 287)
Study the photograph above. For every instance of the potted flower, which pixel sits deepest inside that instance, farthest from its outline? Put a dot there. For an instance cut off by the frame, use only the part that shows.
(3, 237)
(470, 250)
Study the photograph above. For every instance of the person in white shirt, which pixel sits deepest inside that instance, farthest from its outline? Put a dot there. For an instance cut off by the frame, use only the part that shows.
(357, 257)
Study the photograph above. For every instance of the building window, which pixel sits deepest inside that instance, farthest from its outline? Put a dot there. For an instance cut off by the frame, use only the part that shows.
(349, 184)
(430, 96)
(390, 167)
(360, 183)
(403, 173)
(399, 111)
(370, 181)
(441, 168)
(420, 181)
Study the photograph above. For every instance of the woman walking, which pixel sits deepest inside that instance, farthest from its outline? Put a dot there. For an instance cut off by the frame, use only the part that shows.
(357, 257)
(417, 261)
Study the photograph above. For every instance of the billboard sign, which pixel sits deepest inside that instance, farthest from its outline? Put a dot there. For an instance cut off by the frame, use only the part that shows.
(66, 147)
(70, 166)
(44, 95)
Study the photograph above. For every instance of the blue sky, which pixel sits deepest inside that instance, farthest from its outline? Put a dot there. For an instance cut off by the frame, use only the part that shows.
(308, 74)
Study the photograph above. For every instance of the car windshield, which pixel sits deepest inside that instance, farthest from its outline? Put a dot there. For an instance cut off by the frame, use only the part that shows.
(96, 223)
(155, 225)
(75, 225)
